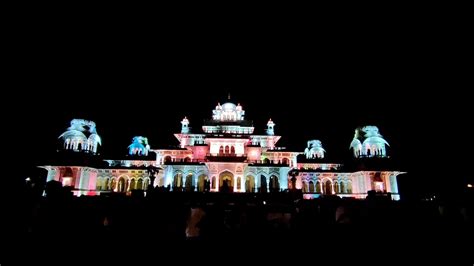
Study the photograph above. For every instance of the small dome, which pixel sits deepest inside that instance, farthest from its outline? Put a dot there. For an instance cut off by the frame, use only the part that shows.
(94, 138)
(139, 146)
(368, 142)
(315, 149)
(81, 136)
(229, 107)
(73, 134)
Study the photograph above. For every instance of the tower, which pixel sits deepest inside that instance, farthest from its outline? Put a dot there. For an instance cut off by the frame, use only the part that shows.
(270, 128)
(185, 126)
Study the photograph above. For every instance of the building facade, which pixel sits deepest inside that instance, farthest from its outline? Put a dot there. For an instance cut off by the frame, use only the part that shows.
(225, 156)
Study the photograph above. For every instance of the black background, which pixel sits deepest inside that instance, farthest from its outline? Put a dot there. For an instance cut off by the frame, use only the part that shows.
(314, 81)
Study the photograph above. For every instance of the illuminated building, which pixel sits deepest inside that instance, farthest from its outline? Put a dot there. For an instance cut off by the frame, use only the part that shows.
(225, 155)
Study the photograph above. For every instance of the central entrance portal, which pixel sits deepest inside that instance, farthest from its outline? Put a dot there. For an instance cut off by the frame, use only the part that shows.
(226, 182)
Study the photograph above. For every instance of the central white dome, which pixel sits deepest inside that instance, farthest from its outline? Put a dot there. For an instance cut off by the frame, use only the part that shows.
(229, 107)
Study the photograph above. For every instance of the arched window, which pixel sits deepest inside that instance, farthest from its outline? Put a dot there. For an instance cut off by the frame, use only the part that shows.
(250, 184)
(221, 150)
(213, 181)
(232, 150)
(140, 184)
(121, 186)
(132, 184)
(177, 181)
(202, 183)
(342, 188)
(274, 184)
(349, 187)
(336, 187)
(263, 184)
(238, 182)
(113, 184)
(189, 183)
(311, 187)
(328, 188)
(226, 149)
(167, 159)
(99, 184)
(305, 187)
(106, 184)
(285, 161)
(318, 187)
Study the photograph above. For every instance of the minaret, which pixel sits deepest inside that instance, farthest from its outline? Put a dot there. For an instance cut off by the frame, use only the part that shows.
(270, 127)
(185, 126)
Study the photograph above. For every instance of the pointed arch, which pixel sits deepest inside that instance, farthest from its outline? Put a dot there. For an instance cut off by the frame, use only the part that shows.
(327, 187)
(274, 184)
(178, 181)
(318, 187)
(122, 184)
(305, 187)
(336, 187)
(201, 182)
(226, 181)
(189, 186)
(132, 184)
(139, 184)
(250, 183)
(146, 183)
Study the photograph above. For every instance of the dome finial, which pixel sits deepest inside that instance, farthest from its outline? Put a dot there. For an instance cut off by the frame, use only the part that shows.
(228, 96)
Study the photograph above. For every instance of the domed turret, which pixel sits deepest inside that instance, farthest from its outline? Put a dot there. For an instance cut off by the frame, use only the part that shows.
(81, 136)
(228, 112)
(185, 125)
(139, 146)
(270, 127)
(368, 142)
(314, 150)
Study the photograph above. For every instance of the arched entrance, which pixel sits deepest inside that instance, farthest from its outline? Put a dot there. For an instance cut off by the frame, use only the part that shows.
(263, 184)
(202, 183)
(305, 187)
(121, 186)
(139, 184)
(113, 184)
(318, 187)
(132, 184)
(250, 184)
(189, 183)
(178, 182)
(226, 182)
(327, 187)
(274, 184)
(342, 188)
(146, 184)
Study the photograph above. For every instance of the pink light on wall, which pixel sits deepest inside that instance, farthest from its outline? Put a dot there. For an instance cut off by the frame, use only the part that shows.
(92, 180)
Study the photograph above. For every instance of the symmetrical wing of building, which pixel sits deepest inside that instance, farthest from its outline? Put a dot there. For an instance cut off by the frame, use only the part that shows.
(225, 156)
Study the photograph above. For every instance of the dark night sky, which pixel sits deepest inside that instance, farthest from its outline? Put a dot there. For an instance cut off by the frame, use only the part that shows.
(133, 85)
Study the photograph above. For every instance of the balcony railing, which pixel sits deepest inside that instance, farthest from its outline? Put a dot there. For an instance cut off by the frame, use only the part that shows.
(268, 162)
(222, 157)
